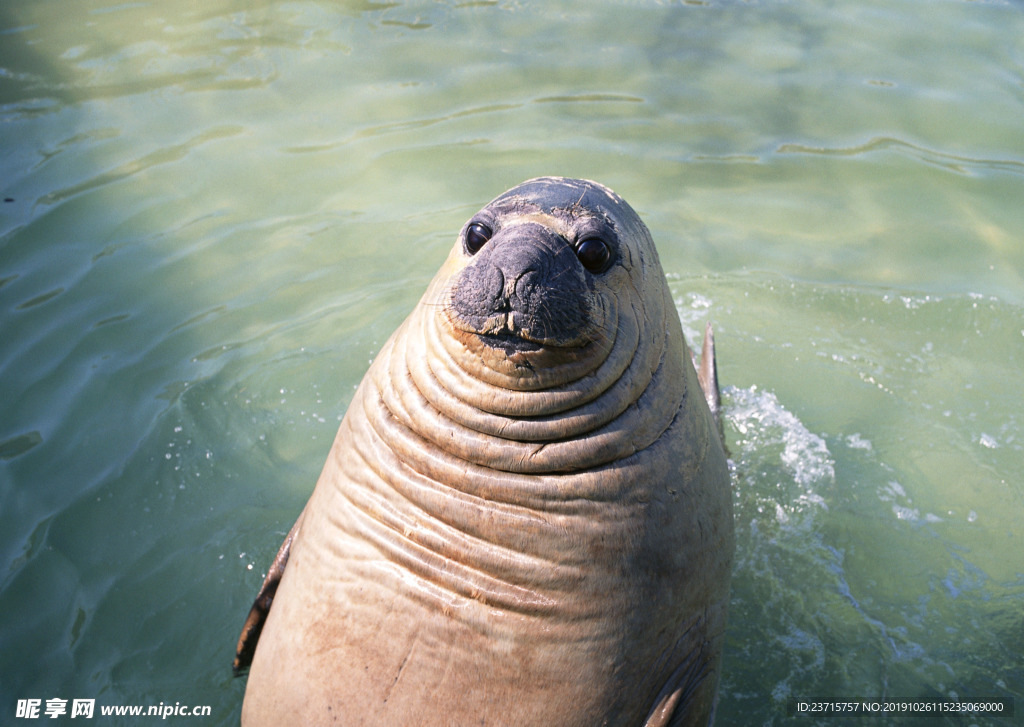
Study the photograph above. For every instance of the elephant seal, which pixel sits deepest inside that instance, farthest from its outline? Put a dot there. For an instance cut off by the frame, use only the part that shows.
(526, 517)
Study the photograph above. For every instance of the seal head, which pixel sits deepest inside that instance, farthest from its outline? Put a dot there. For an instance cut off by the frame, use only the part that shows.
(532, 282)
(543, 259)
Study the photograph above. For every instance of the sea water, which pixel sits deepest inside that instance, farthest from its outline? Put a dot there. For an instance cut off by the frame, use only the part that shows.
(213, 215)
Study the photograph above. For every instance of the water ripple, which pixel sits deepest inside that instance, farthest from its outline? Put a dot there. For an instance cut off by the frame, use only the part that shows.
(15, 446)
(590, 98)
(40, 299)
(399, 126)
(148, 161)
(952, 162)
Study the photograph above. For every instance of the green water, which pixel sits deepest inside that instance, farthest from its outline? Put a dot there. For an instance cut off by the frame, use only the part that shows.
(214, 214)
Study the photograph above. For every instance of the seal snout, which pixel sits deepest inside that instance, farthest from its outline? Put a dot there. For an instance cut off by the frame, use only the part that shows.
(524, 289)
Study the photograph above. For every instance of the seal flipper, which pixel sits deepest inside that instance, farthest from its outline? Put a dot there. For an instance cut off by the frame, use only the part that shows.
(707, 375)
(261, 606)
(682, 701)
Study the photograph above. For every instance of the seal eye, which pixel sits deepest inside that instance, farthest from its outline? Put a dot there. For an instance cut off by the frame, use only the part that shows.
(477, 235)
(594, 254)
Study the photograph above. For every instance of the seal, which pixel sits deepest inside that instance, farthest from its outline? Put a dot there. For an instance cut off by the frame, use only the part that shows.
(525, 517)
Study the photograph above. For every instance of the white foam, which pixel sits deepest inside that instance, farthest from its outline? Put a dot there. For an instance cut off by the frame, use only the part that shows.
(763, 420)
(856, 441)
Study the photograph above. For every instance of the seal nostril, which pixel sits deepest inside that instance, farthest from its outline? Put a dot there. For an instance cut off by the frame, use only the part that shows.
(594, 254)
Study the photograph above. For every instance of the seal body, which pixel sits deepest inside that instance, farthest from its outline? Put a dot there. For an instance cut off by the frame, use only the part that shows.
(525, 517)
